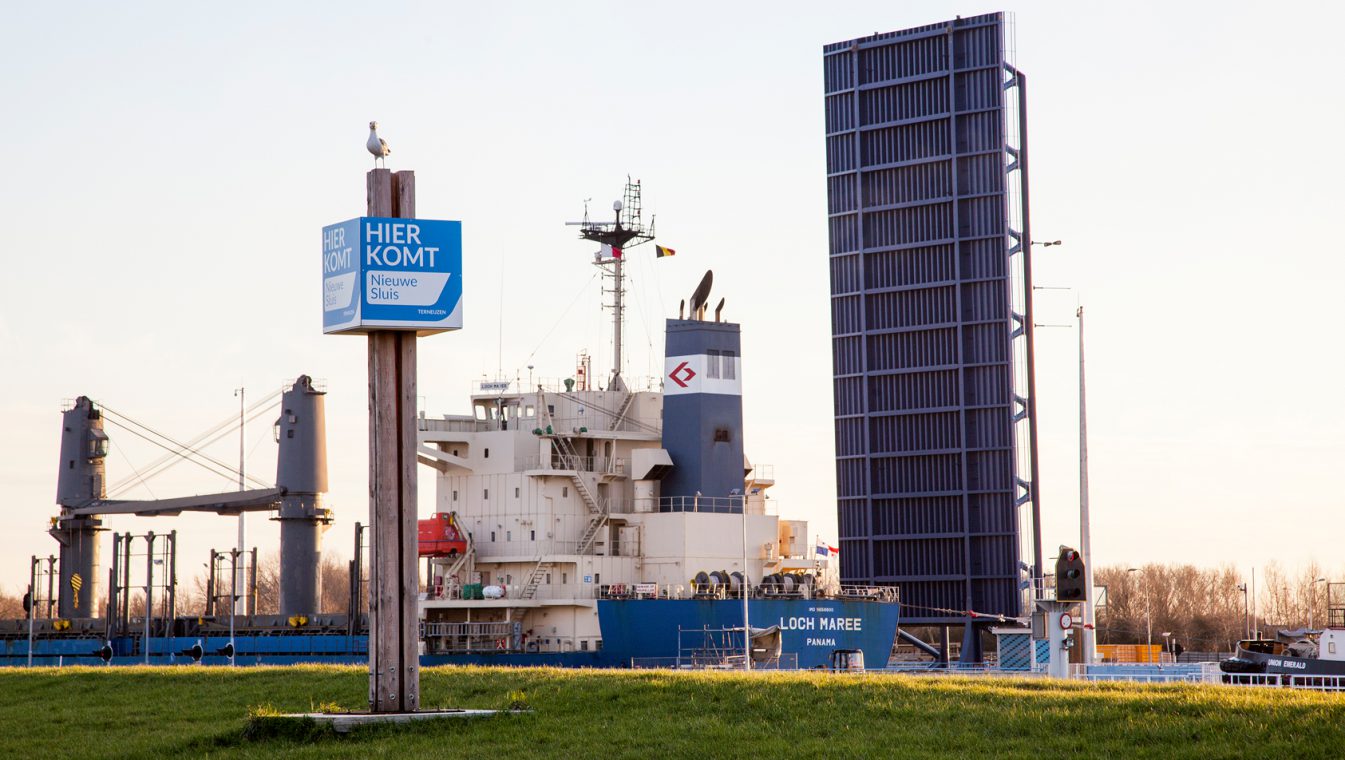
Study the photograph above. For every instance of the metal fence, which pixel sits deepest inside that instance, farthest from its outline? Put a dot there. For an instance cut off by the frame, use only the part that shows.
(1285, 681)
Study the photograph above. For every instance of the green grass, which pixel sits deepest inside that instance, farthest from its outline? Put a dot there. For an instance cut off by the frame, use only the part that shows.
(204, 712)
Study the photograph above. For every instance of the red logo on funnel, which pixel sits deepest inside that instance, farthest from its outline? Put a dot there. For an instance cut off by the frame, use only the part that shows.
(685, 372)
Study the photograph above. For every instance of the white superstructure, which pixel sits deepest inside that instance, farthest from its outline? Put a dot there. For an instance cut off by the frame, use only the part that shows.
(559, 491)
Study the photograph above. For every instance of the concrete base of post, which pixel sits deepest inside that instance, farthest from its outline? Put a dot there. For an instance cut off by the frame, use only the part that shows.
(346, 722)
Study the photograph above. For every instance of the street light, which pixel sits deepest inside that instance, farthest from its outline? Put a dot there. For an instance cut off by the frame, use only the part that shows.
(1312, 599)
(1148, 616)
(1246, 611)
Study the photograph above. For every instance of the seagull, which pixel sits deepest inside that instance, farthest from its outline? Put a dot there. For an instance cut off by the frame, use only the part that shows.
(377, 145)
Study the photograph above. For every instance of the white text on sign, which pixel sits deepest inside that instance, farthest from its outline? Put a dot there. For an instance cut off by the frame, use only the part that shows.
(395, 241)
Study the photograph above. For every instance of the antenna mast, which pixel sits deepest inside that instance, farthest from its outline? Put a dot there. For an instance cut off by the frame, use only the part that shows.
(626, 231)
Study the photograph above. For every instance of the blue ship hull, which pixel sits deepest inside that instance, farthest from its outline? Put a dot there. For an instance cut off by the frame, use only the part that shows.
(811, 629)
(632, 630)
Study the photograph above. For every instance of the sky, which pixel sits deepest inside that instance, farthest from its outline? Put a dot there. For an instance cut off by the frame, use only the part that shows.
(169, 167)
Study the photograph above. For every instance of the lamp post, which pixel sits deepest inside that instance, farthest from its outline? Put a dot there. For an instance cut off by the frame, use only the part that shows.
(1246, 612)
(1037, 554)
(1312, 599)
(1148, 616)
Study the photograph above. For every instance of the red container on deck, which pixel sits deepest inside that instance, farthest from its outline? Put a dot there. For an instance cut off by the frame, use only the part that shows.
(439, 536)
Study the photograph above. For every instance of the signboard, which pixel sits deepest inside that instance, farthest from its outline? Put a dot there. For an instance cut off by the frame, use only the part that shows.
(381, 273)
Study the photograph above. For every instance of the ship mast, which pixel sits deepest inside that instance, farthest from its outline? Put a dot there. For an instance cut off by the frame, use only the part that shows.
(624, 232)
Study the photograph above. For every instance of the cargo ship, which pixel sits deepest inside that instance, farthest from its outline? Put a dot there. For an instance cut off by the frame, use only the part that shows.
(579, 522)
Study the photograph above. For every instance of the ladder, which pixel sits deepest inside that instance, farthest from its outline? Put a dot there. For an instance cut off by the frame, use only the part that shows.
(535, 578)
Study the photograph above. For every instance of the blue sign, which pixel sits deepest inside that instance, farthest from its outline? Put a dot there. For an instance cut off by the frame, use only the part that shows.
(381, 273)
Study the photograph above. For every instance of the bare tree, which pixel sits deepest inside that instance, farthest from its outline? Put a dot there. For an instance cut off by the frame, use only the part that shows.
(268, 584)
(11, 606)
(335, 579)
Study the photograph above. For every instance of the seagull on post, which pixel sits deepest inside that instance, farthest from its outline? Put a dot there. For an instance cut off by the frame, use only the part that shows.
(377, 145)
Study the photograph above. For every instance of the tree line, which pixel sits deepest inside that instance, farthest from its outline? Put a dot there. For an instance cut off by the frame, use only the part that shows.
(1208, 609)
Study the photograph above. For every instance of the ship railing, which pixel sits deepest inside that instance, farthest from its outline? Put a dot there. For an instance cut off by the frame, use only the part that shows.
(870, 593)
(717, 505)
(612, 465)
(598, 422)
(708, 504)
(452, 425)
(442, 637)
(762, 472)
(558, 384)
(633, 591)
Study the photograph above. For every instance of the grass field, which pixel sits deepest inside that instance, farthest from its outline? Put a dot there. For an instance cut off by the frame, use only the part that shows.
(200, 712)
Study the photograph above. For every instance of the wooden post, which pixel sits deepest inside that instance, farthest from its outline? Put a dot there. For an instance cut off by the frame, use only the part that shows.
(394, 628)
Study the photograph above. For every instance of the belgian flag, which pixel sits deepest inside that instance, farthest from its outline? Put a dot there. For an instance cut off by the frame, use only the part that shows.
(660, 252)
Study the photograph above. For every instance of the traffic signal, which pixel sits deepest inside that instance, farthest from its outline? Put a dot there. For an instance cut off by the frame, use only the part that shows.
(1069, 576)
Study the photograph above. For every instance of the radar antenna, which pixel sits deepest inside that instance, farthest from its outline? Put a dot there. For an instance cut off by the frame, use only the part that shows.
(625, 231)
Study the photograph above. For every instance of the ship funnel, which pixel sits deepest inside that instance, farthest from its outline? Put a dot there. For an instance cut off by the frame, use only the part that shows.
(703, 412)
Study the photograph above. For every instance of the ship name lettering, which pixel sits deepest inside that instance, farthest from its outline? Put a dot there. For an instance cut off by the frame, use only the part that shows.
(842, 624)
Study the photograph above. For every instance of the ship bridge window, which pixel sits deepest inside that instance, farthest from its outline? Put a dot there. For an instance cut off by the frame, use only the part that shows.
(584, 645)
(455, 496)
(730, 365)
(721, 435)
(529, 411)
(712, 363)
(564, 492)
